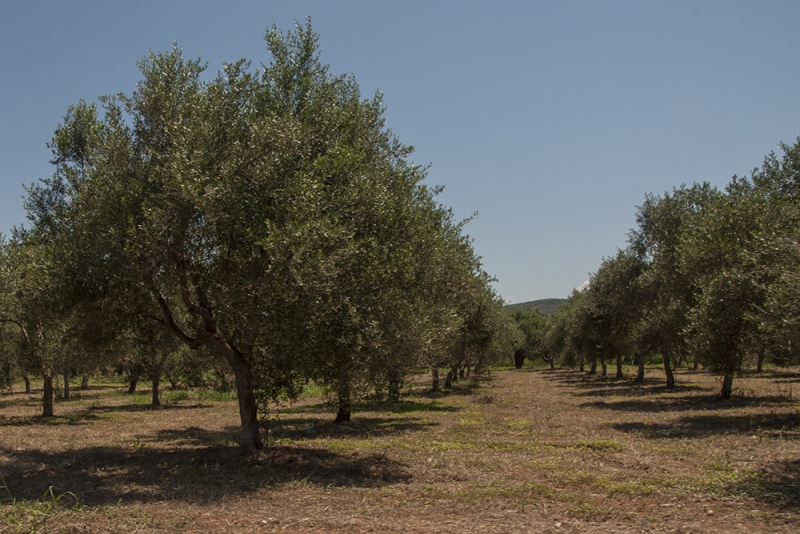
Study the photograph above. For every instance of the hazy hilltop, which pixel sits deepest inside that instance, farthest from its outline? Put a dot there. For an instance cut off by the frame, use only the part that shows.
(548, 306)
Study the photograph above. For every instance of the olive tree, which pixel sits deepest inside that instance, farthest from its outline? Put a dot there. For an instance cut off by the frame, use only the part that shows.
(243, 207)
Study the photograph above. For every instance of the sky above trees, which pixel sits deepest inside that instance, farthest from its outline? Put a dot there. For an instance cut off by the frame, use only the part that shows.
(552, 120)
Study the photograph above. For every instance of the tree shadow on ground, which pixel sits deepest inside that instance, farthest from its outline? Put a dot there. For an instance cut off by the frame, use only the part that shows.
(304, 428)
(653, 396)
(406, 406)
(16, 399)
(188, 469)
(92, 413)
(699, 426)
(778, 483)
(682, 403)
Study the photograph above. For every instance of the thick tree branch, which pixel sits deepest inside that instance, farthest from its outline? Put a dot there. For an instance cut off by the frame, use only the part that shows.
(169, 321)
(19, 324)
(203, 309)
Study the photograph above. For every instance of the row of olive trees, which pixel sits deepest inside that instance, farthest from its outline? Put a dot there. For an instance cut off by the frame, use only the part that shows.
(266, 216)
(710, 277)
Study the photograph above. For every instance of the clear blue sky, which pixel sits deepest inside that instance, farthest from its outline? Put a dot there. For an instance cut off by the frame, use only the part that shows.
(551, 119)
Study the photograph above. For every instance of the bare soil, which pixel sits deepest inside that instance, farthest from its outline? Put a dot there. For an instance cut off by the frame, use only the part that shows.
(525, 451)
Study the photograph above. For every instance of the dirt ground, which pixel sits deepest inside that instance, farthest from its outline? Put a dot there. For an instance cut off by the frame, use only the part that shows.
(526, 451)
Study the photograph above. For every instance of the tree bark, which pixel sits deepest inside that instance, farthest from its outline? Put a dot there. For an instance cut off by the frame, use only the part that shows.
(248, 409)
(27, 381)
(668, 371)
(435, 380)
(603, 365)
(519, 358)
(66, 383)
(552, 363)
(47, 398)
(345, 406)
(640, 371)
(132, 381)
(619, 367)
(451, 376)
(394, 386)
(85, 382)
(245, 389)
(593, 368)
(727, 386)
(760, 362)
(156, 379)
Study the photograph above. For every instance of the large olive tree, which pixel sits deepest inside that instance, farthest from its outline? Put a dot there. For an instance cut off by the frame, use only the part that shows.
(261, 213)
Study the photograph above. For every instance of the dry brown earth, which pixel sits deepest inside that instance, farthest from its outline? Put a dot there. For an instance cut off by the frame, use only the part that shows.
(527, 451)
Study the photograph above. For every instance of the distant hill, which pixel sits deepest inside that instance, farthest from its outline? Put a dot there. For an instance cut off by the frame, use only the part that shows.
(548, 306)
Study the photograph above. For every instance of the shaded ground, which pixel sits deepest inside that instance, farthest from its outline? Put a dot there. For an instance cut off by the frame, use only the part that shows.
(528, 451)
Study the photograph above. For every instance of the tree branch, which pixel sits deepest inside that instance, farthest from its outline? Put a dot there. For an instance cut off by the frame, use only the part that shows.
(169, 322)
(19, 324)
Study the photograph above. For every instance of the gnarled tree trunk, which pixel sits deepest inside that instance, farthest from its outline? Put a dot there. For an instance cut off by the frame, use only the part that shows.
(27, 381)
(85, 382)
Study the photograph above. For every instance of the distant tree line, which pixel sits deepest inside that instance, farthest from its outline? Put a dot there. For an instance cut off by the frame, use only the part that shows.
(709, 278)
(255, 231)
